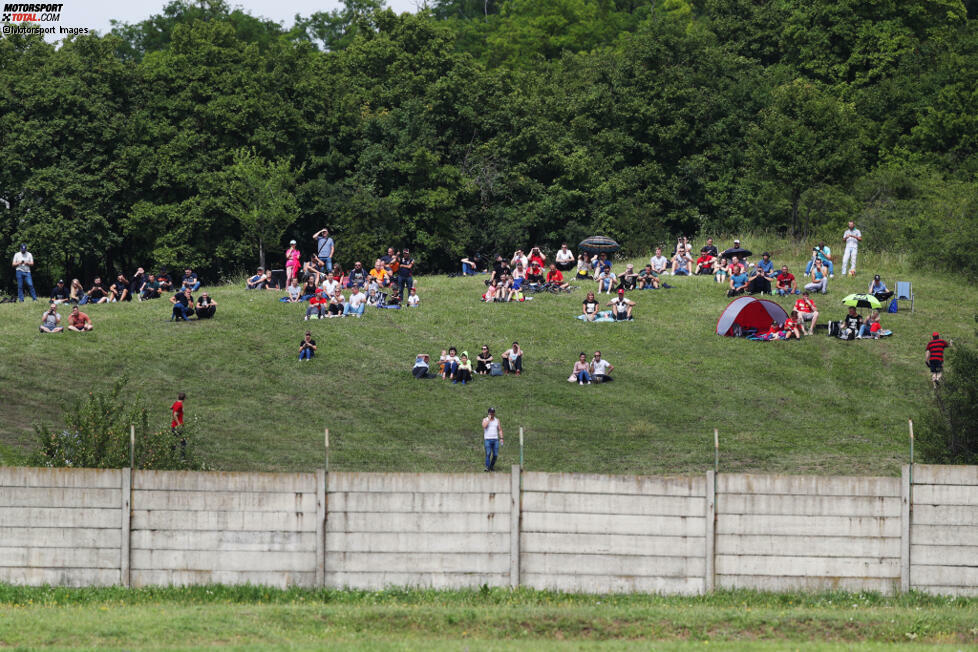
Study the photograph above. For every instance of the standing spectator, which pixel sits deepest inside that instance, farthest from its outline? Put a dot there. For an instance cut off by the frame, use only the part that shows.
(183, 305)
(492, 436)
(935, 357)
(405, 271)
(79, 321)
(307, 347)
(206, 307)
(150, 289)
(190, 280)
(176, 412)
(97, 293)
(601, 369)
(786, 282)
(293, 262)
(513, 360)
(564, 258)
(23, 261)
(59, 293)
(581, 371)
(119, 291)
(852, 237)
(51, 320)
(325, 248)
(659, 262)
(77, 294)
(483, 361)
(807, 311)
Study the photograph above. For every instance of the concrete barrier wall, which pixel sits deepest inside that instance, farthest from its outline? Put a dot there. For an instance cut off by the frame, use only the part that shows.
(224, 528)
(61, 526)
(590, 533)
(412, 529)
(603, 534)
(944, 530)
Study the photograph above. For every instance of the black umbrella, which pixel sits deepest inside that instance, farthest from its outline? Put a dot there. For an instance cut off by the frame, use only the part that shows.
(599, 243)
(739, 252)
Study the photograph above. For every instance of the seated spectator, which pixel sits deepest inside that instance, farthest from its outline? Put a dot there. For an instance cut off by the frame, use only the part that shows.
(472, 265)
(59, 293)
(77, 294)
(519, 257)
(394, 299)
(659, 262)
(758, 281)
(79, 321)
(555, 278)
(338, 274)
(822, 254)
(293, 292)
(583, 267)
(97, 293)
(738, 282)
(119, 291)
(647, 279)
(190, 280)
(379, 274)
(722, 271)
(709, 248)
(330, 286)
(621, 308)
(307, 347)
(374, 297)
(589, 308)
(314, 269)
(705, 263)
(308, 290)
(420, 368)
(464, 371)
(336, 304)
(492, 293)
(136, 283)
(790, 328)
(150, 289)
(356, 302)
(807, 311)
(483, 361)
(820, 280)
(736, 266)
(256, 282)
(628, 280)
(598, 261)
(51, 320)
(450, 364)
(269, 283)
(581, 371)
(206, 307)
(786, 282)
(507, 289)
(728, 253)
(413, 300)
(539, 257)
(518, 277)
(606, 280)
(513, 360)
(358, 276)
(317, 305)
(564, 259)
(851, 324)
(534, 273)
(183, 305)
(601, 369)
(871, 327)
(765, 264)
(878, 289)
(681, 262)
(166, 283)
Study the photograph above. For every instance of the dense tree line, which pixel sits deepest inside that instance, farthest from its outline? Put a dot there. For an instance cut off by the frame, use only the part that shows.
(483, 125)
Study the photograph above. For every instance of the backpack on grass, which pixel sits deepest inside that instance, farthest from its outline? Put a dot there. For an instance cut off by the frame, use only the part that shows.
(495, 369)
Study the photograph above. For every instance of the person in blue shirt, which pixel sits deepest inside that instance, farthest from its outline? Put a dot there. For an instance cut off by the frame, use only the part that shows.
(738, 282)
(325, 248)
(190, 280)
(765, 264)
(878, 289)
(824, 254)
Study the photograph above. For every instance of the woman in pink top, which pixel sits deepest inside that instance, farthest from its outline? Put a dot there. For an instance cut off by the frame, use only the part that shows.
(292, 264)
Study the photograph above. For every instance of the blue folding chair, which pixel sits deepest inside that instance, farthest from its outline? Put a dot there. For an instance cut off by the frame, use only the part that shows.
(904, 292)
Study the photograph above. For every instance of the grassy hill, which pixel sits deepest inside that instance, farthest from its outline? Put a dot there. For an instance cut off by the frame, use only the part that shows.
(816, 406)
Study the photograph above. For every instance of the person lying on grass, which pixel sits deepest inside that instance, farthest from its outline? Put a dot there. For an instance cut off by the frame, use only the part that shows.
(590, 307)
(420, 368)
(621, 307)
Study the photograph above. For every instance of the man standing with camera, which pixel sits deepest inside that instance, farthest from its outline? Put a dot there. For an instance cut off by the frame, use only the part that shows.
(23, 261)
(325, 248)
(852, 237)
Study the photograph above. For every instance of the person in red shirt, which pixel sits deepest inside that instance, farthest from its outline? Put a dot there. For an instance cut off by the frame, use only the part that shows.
(177, 410)
(78, 321)
(790, 327)
(935, 357)
(537, 256)
(786, 282)
(317, 305)
(534, 273)
(705, 263)
(555, 278)
(806, 312)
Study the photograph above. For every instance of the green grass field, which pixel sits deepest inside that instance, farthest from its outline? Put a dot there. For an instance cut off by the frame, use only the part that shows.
(251, 617)
(816, 406)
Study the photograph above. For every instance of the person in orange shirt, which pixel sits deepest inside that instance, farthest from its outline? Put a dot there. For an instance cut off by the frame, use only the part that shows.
(79, 321)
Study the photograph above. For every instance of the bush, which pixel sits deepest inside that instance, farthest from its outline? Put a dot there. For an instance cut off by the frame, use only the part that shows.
(96, 435)
(950, 430)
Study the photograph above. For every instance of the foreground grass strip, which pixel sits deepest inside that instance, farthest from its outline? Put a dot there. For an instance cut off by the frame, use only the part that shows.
(205, 616)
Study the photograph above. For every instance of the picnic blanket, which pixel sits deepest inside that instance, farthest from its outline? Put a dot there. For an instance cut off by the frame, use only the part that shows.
(603, 316)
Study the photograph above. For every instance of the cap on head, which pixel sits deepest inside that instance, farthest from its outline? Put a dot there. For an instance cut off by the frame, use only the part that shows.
(492, 410)
(61, 281)
(292, 242)
(876, 278)
(736, 241)
(621, 290)
(936, 335)
(23, 247)
(766, 255)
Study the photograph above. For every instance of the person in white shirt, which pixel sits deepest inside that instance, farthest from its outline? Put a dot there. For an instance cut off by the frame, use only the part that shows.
(356, 303)
(413, 299)
(659, 262)
(621, 308)
(564, 258)
(601, 369)
(492, 436)
(852, 237)
(330, 286)
(519, 257)
(23, 261)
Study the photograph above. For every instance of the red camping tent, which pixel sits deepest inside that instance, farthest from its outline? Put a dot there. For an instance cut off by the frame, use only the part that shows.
(748, 312)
